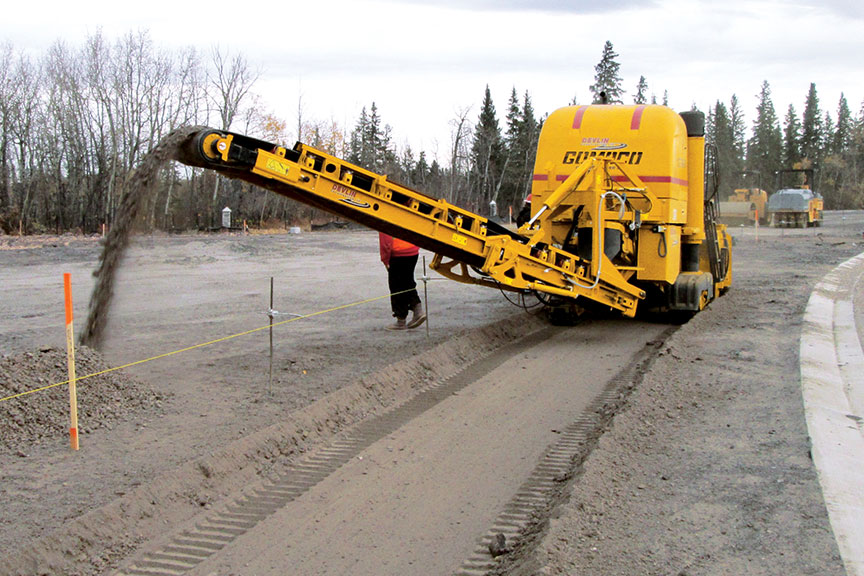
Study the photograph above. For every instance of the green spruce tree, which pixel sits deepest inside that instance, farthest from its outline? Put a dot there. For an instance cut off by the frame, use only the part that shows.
(607, 81)
(765, 147)
(420, 174)
(529, 133)
(641, 91)
(811, 129)
(827, 139)
(510, 184)
(486, 153)
(739, 131)
(791, 139)
(719, 132)
(357, 145)
(370, 144)
(842, 136)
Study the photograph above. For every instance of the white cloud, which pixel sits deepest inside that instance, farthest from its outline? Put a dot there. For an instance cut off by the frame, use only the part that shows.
(568, 6)
(423, 61)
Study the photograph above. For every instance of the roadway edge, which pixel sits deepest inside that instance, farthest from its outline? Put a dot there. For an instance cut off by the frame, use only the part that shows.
(833, 393)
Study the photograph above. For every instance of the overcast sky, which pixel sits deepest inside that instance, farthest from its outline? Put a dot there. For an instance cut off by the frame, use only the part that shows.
(424, 61)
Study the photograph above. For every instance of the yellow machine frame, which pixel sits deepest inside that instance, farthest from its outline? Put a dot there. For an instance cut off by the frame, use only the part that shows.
(616, 191)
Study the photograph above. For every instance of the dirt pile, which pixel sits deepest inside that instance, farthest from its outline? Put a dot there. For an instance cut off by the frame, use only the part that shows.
(141, 182)
(102, 400)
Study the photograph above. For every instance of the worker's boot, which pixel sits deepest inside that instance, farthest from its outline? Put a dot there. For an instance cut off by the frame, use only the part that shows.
(418, 317)
(398, 325)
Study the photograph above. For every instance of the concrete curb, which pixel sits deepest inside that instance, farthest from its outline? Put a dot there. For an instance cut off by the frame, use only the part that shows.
(832, 364)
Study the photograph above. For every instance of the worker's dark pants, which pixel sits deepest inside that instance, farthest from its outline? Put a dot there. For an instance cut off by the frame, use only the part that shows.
(400, 277)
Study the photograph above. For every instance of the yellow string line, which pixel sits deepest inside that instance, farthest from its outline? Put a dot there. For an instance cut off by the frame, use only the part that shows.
(202, 345)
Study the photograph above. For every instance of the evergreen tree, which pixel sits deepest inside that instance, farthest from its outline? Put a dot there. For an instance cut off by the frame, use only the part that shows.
(719, 132)
(514, 114)
(853, 192)
(523, 130)
(406, 166)
(510, 187)
(420, 174)
(370, 144)
(831, 166)
(827, 139)
(606, 79)
(486, 153)
(739, 130)
(381, 156)
(843, 132)
(765, 147)
(529, 133)
(811, 128)
(710, 123)
(791, 139)
(436, 180)
(641, 90)
(357, 145)
(665, 97)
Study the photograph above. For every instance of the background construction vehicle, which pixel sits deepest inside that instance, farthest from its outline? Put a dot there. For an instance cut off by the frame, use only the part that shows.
(621, 211)
(746, 204)
(796, 206)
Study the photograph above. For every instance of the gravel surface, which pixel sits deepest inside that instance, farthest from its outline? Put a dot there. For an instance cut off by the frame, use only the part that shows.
(104, 400)
(706, 470)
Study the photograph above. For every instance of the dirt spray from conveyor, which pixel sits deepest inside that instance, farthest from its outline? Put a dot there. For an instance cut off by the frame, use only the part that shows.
(139, 186)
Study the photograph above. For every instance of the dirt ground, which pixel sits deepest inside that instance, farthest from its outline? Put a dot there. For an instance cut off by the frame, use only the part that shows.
(180, 291)
(708, 470)
(705, 472)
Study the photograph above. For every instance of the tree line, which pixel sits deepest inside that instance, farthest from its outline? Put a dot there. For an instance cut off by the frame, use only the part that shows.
(831, 146)
(75, 122)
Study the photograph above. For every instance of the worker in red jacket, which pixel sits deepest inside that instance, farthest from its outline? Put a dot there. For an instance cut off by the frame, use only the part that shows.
(400, 259)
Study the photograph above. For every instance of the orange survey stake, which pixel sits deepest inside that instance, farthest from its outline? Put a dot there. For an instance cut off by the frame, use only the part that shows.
(70, 363)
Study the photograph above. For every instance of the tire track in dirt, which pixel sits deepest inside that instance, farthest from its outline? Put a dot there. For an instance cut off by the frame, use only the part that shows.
(194, 545)
(422, 495)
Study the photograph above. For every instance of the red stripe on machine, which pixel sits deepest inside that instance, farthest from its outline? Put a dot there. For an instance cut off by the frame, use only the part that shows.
(577, 121)
(619, 178)
(664, 180)
(654, 180)
(636, 122)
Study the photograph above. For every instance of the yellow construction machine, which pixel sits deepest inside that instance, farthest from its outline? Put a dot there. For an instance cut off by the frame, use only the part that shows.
(745, 205)
(799, 206)
(622, 210)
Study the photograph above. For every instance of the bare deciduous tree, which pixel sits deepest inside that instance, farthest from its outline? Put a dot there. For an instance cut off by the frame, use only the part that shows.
(459, 153)
(229, 82)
